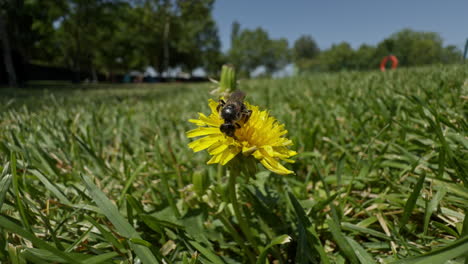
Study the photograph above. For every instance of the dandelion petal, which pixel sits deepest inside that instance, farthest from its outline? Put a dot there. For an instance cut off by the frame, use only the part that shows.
(262, 137)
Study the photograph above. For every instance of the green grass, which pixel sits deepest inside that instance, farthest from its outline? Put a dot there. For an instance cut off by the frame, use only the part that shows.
(103, 174)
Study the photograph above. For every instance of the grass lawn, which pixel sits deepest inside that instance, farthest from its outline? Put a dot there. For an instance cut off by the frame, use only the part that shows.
(103, 173)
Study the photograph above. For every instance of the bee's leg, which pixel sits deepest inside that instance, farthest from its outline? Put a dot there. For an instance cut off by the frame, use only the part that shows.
(221, 103)
(247, 115)
(237, 125)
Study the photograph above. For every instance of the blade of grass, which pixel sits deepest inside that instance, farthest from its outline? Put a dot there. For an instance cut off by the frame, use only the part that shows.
(14, 228)
(361, 253)
(452, 187)
(170, 197)
(210, 255)
(14, 256)
(364, 230)
(440, 255)
(88, 259)
(122, 226)
(106, 234)
(411, 203)
(102, 258)
(19, 202)
(51, 187)
(33, 258)
(305, 235)
(4, 186)
(79, 240)
(342, 242)
(130, 180)
(432, 207)
(279, 240)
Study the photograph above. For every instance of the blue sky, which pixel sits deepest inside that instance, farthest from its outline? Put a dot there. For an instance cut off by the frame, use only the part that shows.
(357, 22)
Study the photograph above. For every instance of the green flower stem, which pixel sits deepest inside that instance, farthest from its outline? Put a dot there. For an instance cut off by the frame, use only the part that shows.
(236, 237)
(228, 79)
(219, 173)
(234, 172)
(167, 192)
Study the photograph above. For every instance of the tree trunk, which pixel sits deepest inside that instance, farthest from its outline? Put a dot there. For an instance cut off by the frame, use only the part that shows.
(166, 46)
(7, 54)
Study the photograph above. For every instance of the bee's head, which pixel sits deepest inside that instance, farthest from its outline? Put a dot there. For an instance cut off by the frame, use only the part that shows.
(228, 129)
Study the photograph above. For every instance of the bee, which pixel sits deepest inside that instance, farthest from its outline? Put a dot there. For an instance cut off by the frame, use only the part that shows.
(233, 110)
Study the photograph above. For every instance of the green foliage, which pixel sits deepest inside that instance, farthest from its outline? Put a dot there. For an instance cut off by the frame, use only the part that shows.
(365, 58)
(412, 48)
(29, 25)
(338, 57)
(199, 41)
(102, 175)
(84, 33)
(251, 49)
(416, 48)
(115, 36)
(118, 48)
(305, 47)
(304, 51)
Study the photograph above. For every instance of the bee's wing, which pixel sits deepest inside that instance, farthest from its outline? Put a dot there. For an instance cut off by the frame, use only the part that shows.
(237, 96)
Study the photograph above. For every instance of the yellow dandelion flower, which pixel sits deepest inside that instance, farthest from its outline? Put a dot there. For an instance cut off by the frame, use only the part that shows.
(261, 136)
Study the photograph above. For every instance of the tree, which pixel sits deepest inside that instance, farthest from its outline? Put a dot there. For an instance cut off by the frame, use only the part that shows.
(111, 36)
(383, 49)
(198, 42)
(251, 49)
(23, 24)
(118, 49)
(451, 54)
(178, 33)
(364, 58)
(305, 47)
(7, 53)
(277, 56)
(41, 44)
(235, 31)
(414, 48)
(339, 57)
(156, 31)
(248, 50)
(78, 35)
(305, 51)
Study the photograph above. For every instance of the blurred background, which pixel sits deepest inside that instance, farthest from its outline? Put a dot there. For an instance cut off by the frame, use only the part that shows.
(131, 41)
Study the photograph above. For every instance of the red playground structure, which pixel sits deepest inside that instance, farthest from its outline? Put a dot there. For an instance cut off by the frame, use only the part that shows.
(384, 61)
